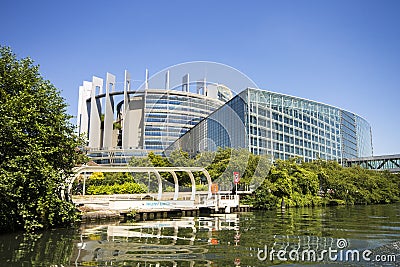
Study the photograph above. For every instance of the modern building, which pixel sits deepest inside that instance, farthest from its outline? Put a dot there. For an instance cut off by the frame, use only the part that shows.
(123, 123)
(281, 125)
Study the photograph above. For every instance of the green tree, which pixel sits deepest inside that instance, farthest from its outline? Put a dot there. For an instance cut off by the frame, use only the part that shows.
(37, 148)
(253, 169)
(325, 182)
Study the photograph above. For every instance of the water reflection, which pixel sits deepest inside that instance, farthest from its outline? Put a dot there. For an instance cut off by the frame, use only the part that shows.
(44, 249)
(181, 242)
(220, 240)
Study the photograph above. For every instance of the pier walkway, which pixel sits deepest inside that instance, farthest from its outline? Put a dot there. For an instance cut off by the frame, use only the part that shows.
(161, 201)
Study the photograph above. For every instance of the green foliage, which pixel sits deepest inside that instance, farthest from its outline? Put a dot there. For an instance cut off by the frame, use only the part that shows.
(99, 178)
(220, 165)
(126, 188)
(117, 125)
(324, 183)
(113, 183)
(169, 188)
(263, 197)
(252, 168)
(176, 158)
(296, 182)
(201, 187)
(131, 214)
(37, 148)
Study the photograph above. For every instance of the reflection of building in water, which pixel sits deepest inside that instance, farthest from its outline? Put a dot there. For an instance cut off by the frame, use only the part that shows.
(221, 222)
(156, 242)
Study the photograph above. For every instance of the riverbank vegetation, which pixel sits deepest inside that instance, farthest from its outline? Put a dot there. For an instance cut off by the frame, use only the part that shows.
(220, 165)
(322, 182)
(295, 182)
(37, 148)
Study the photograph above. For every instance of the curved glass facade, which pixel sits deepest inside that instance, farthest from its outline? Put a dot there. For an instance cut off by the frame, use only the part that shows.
(170, 114)
(286, 126)
(364, 134)
(283, 126)
(123, 123)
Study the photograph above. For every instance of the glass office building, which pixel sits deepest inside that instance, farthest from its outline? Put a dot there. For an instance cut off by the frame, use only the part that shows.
(170, 114)
(121, 123)
(283, 126)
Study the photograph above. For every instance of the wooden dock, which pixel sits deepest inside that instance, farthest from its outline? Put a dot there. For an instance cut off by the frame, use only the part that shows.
(123, 207)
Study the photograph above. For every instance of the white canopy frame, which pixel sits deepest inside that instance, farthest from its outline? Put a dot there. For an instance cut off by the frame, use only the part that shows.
(156, 170)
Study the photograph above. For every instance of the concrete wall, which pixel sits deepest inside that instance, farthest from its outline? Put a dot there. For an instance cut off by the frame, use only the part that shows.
(133, 123)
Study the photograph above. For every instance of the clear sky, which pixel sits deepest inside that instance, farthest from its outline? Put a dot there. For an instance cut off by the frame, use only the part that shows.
(343, 53)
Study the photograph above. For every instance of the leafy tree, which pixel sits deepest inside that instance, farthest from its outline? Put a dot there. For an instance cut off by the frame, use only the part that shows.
(220, 165)
(158, 160)
(37, 148)
(253, 169)
(264, 198)
(204, 159)
(325, 182)
(180, 158)
(298, 183)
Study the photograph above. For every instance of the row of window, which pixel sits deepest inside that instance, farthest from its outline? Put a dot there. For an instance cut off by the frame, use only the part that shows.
(307, 154)
(164, 96)
(150, 109)
(291, 130)
(165, 116)
(167, 121)
(289, 137)
(281, 102)
(298, 122)
(293, 142)
(293, 122)
(175, 104)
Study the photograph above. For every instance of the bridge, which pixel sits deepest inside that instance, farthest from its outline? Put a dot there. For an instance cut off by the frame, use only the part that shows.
(390, 163)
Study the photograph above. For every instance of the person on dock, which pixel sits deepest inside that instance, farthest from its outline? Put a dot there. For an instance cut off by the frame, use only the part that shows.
(79, 188)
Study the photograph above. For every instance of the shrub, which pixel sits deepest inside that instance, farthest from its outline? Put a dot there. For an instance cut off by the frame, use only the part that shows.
(126, 188)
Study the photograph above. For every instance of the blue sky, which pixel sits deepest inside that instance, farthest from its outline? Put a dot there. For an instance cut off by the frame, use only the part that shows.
(343, 53)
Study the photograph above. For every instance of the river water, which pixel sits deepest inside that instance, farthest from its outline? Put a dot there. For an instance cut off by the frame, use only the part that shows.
(331, 236)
